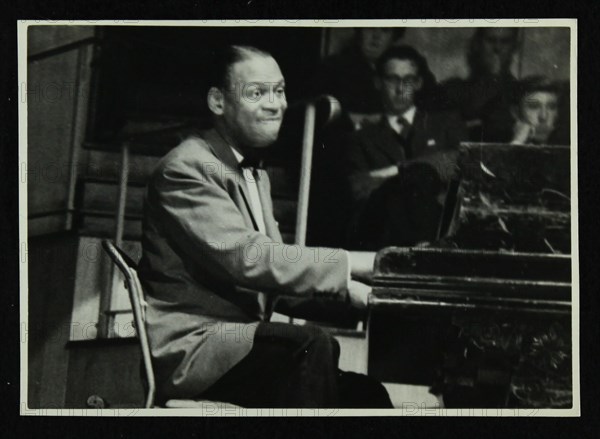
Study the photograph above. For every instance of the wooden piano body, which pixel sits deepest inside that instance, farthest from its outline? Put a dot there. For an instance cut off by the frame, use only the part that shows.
(483, 315)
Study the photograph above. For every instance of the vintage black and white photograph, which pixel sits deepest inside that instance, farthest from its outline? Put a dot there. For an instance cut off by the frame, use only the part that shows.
(299, 218)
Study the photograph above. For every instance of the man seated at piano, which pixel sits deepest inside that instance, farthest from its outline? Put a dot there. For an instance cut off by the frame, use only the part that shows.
(213, 263)
(539, 115)
(398, 167)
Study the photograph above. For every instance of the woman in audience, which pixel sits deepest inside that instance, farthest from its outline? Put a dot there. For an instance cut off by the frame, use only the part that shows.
(538, 114)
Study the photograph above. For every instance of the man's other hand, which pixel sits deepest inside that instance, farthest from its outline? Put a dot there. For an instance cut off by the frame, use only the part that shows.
(522, 131)
(362, 264)
(358, 294)
(387, 172)
(363, 184)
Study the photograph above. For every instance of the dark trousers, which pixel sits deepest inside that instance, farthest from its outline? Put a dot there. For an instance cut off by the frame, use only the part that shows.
(295, 367)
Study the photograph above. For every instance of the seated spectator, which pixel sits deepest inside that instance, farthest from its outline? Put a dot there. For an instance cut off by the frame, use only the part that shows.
(398, 167)
(350, 75)
(490, 82)
(535, 114)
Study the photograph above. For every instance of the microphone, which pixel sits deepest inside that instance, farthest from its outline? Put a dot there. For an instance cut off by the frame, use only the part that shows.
(327, 109)
(304, 120)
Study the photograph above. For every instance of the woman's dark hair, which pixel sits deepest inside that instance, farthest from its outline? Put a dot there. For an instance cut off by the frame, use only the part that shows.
(426, 96)
(532, 84)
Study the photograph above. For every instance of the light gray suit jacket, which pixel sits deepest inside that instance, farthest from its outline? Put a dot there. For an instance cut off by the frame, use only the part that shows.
(204, 260)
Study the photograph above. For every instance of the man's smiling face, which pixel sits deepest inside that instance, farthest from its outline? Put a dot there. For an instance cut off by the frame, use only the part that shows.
(254, 102)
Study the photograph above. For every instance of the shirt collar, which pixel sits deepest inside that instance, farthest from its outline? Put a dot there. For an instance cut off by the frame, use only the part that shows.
(409, 115)
(237, 155)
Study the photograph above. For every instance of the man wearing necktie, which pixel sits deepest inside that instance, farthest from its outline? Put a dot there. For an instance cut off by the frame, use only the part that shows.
(214, 263)
(398, 168)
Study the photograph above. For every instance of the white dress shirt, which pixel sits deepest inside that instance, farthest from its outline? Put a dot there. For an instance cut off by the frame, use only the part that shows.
(409, 115)
(255, 203)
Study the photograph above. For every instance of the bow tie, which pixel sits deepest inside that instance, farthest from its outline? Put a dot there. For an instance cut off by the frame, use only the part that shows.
(252, 163)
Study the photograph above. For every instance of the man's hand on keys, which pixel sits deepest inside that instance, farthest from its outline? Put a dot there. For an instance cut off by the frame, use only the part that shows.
(359, 294)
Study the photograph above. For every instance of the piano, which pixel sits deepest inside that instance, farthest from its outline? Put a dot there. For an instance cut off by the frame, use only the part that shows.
(483, 315)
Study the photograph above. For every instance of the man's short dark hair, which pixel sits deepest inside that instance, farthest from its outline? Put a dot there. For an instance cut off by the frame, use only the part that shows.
(403, 53)
(220, 70)
(427, 95)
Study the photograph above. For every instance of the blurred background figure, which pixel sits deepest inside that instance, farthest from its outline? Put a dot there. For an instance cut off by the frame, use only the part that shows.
(398, 167)
(350, 75)
(488, 88)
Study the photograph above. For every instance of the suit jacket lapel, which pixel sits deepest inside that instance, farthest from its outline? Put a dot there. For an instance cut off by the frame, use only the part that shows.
(267, 207)
(419, 133)
(390, 144)
(222, 150)
(267, 302)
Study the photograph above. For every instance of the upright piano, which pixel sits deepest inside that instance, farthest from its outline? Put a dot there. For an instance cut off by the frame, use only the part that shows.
(483, 315)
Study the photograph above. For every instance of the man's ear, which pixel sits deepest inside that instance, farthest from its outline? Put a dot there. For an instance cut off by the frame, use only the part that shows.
(216, 101)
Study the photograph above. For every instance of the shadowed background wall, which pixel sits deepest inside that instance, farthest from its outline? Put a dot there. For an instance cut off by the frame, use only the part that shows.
(544, 50)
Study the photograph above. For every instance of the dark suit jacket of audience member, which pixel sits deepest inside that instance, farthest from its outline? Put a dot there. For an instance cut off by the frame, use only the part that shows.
(401, 210)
